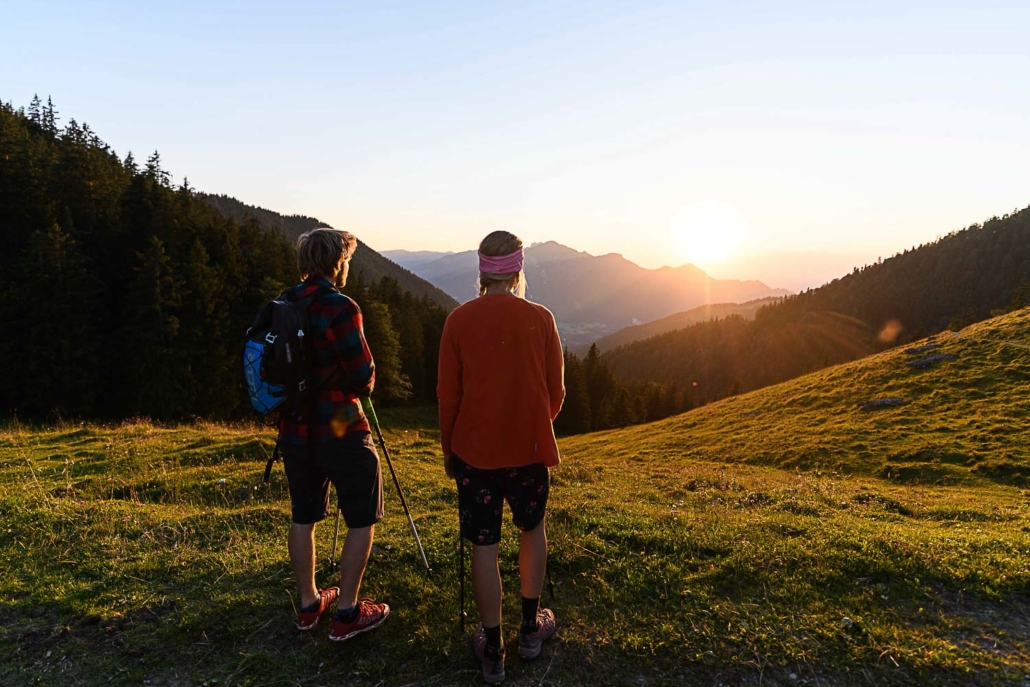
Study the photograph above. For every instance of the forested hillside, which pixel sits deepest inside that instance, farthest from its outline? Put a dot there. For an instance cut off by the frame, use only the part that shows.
(680, 320)
(370, 264)
(123, 295)
(959, 279)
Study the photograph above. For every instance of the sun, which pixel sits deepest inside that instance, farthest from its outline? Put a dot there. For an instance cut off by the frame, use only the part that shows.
(707, 232)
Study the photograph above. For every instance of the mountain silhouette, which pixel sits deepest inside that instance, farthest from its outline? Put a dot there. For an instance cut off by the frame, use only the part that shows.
(592, 296)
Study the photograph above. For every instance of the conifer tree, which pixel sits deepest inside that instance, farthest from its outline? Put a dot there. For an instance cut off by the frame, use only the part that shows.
(50, 117)
(204, 336)
(55, 365)
(391, 383)
(154, 170)
(34, 112)
(1022, 297)
(600, 389)
(574, 417)
(157, 375)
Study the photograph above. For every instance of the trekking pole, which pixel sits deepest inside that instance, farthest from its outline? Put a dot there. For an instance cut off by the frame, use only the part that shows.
(366, 404)
(334, 562)
(462, 615)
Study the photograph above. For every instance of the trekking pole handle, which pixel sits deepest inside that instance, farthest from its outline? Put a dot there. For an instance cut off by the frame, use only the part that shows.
(370, 411)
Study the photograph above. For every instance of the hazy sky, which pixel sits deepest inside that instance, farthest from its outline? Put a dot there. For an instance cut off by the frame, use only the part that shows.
(784, 141)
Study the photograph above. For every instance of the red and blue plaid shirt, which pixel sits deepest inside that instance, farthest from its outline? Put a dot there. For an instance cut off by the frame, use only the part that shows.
(344, 370)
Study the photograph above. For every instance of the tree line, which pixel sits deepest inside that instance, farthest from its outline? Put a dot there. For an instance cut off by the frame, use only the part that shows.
(126, 295)
(595, 399)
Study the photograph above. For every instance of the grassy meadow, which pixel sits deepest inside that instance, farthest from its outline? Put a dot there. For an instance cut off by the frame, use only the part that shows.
(782, 537)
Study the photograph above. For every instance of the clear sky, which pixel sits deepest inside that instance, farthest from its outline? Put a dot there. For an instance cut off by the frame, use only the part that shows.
(785, 141)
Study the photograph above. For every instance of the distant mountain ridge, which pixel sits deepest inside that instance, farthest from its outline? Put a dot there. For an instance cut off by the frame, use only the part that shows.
(367, 261)
(409, 259)
(593, 296)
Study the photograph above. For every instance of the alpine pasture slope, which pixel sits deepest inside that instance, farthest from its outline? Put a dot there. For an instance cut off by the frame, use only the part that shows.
(781, 537)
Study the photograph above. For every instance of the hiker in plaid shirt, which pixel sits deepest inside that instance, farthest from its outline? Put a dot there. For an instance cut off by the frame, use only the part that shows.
(336, 445)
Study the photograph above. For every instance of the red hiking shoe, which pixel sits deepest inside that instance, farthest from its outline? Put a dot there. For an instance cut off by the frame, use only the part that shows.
(492, 659)
(370, 616)
(307, 619)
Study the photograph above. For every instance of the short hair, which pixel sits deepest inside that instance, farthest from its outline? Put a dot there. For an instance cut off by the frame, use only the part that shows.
(498, 244)
(320, 251)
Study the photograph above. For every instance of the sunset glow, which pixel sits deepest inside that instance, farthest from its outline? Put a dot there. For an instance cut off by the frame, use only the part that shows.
(707, 233)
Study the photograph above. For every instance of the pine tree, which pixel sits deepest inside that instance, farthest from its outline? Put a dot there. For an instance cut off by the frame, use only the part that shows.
(574, 417)
(55, 365)
(601, 388)
(157, 375)
(638, 408)
(204, 338)
(50, 117)
(154, 170)
(34, 112)
(1022, 297)
(391, 383)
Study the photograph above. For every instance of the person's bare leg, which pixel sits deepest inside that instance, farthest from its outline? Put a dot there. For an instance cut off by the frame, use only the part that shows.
(356, 547)
(533, 561)
(301, 543)
(486, 584)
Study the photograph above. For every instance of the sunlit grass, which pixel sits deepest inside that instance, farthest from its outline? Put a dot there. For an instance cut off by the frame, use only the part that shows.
(780, 533)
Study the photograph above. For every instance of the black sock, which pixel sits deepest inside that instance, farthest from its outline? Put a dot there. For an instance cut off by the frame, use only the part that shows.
(312, 607)
(493, 636)
(529, 609)
(347, 614)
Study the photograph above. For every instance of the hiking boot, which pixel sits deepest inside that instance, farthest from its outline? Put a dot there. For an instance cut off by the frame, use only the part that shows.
(492, 659)
(308, 618)
(531, 643)
(370, 615)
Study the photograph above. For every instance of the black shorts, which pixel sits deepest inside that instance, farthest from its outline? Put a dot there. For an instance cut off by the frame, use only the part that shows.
(350, 464)
(481, 496)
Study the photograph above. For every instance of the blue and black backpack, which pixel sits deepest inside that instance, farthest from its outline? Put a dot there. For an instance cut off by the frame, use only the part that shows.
(278, 361)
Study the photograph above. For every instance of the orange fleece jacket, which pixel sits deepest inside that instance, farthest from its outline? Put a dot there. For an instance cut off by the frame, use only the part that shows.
(501, 383)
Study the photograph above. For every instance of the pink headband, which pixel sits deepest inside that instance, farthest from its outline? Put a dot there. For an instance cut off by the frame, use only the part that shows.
(501, 264)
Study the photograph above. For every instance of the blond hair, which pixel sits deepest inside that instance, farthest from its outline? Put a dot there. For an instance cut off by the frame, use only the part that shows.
(498, 244)
(320, 251)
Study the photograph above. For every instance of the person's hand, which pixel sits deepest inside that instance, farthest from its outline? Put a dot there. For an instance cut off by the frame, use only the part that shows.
(448, 465)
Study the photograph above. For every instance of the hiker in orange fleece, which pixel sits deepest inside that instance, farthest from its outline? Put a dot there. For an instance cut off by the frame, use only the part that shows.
(500, 388)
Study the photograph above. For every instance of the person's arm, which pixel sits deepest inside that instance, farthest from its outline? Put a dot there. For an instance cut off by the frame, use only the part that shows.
(448, 388)
(555, 366)
(347, 336)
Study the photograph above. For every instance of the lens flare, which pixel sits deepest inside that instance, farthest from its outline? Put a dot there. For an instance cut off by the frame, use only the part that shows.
(890, 331)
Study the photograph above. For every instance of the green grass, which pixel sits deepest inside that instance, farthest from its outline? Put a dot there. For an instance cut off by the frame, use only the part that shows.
(776, 534)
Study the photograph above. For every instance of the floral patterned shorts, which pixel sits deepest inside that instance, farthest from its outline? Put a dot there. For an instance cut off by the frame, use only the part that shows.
(482, 493)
